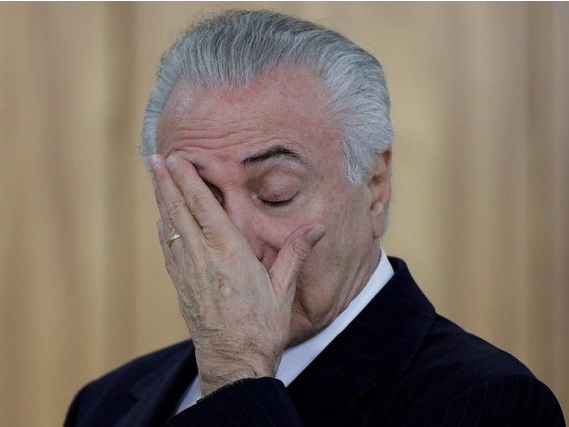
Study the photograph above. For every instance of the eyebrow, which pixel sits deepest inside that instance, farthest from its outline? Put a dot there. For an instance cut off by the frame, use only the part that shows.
(274, 152)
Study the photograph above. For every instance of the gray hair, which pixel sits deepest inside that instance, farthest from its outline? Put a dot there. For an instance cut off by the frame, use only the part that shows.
(233, 48)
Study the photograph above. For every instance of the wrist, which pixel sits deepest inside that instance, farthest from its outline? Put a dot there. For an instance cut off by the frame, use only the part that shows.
(223, 365)
(212, 383)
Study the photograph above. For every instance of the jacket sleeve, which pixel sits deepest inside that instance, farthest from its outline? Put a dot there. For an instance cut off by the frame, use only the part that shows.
(253, 403)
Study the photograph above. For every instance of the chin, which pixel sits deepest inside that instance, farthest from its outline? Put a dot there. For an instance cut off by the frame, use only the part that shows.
(302, 329)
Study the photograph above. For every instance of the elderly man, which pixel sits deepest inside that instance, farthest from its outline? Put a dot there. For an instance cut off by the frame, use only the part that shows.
(269, 140)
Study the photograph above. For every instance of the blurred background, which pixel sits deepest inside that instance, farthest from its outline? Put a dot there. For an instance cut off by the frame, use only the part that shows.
(481, 208)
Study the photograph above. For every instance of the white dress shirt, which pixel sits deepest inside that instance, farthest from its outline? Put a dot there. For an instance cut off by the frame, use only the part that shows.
(297, 358)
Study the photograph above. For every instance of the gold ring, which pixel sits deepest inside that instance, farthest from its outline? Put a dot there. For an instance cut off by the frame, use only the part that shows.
(172, 238)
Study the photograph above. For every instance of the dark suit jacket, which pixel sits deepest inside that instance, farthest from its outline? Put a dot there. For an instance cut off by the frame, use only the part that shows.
(397, 364)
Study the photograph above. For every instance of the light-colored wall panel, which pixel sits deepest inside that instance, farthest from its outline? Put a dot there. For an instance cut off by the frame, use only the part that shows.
(54, 220)
(480, 211)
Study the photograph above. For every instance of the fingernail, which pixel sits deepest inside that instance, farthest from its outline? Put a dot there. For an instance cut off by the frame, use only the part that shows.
(316, 233)
(172, 162)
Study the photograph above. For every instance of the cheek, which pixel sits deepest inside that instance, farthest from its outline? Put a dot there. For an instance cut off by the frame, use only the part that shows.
(267, 231)
(327, 256)
(348, 232)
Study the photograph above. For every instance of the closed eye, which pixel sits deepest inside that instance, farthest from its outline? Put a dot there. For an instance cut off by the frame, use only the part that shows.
(276, 203)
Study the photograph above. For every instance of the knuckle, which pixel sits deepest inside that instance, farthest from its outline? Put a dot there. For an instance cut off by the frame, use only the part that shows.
(174, 207)
(197, 203)
(301, 251)
(223, 243)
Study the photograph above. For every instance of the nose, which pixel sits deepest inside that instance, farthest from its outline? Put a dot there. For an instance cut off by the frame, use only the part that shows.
(254, 228)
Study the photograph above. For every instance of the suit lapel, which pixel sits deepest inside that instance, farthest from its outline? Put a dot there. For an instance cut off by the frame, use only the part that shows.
(158, 393)
(372, 352)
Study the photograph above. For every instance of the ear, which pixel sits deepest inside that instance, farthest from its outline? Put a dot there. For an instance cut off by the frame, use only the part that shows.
(379, 186)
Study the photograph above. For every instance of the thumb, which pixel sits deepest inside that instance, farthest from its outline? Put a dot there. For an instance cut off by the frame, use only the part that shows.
(292, 255)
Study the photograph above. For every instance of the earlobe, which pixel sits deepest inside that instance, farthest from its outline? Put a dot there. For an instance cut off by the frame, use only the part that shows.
(379, 185)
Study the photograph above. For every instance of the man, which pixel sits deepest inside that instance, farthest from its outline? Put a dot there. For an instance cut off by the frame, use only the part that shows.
(269, 140)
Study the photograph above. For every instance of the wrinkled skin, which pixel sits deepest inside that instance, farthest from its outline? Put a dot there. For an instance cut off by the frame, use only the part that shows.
(275, 241)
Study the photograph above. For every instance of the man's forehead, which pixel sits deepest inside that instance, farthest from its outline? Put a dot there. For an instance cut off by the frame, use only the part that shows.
(285, 82)
(282, 114)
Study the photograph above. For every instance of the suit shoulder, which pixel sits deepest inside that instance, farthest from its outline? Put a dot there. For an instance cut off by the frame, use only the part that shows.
(512, 400)
(110, 393)
(457, 375)
(449, 350)
(136, 368)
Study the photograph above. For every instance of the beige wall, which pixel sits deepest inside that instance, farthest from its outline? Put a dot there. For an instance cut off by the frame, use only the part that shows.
(481, 209)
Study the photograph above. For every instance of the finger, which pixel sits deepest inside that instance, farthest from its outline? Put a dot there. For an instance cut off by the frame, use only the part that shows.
(292, 255)
(202, 203)
(161, 234)
(171, 203)
(165, 233)
(168, 229)
(168, 256)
